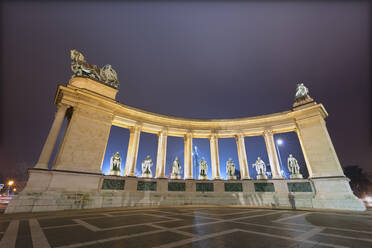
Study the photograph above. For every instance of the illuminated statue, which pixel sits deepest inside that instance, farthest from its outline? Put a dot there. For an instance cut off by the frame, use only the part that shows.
(301, 91)
(293, 167)
(176, 169)
(260, 168)
(115, 164)
(146, 167)
(302, 95)
(230, 169)
(203, 169)
(81, 68)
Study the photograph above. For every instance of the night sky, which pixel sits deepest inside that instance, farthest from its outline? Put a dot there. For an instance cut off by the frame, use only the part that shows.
(197, 59)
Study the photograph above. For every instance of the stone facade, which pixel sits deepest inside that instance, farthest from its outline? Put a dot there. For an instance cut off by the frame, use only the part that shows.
(75, 180)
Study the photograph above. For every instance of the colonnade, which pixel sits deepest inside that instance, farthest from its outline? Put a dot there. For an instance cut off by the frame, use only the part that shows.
(133, 146)
(188, 165)
(85, 140)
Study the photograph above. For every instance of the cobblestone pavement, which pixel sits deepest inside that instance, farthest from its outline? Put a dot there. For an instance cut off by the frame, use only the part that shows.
(187, 227)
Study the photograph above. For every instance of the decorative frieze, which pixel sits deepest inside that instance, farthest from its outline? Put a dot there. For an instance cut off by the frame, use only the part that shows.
(204, 187)
(233, 187)
(176, 186)
(113, 184)
(299, 187)
(146, 186)
(264, 187)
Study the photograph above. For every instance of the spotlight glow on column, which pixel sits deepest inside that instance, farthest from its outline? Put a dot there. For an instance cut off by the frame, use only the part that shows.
(280, 142)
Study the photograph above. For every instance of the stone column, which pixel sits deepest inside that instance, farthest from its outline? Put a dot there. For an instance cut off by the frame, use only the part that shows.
(51, 140)
(188, 157)
(242, 156)
(213, 143)
(130, 164)
(273, 156)
(320, 155)
(161, 157)
(85, 140)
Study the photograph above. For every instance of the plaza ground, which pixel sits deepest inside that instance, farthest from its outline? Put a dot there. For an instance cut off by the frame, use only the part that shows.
(187, 227)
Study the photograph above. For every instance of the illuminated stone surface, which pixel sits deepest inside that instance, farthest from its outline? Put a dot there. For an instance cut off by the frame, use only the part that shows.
(75, 180)
(187, 227)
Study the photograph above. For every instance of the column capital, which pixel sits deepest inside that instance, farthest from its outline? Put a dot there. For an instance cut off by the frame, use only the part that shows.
(268, 132)
(188, 135)
(239, 136)
(163, 132)
(213, 136)
(137, 127)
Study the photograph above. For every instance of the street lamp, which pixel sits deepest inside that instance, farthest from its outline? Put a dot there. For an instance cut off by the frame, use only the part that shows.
(279, 142)
(10, 183)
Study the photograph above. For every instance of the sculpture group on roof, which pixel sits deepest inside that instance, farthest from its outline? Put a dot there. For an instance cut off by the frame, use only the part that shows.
(80, 68)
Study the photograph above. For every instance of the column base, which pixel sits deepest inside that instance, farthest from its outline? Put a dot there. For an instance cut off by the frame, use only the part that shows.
(335, 193)
(41, 166)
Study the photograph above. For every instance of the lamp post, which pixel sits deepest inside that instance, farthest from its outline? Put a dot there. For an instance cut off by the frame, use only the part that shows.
(10, 183)
(195, 154)
(278, 143)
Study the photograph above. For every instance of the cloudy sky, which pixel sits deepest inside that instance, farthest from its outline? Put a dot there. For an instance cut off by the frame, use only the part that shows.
(199, 59)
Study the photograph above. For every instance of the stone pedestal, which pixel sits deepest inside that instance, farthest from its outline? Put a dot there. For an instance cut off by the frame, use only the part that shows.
(114, 173)
(296, 176)
(174, 176)
(231, 177)
(262, 177)
(59, 190)
(146, 175)
(203, 177)
(335, 193)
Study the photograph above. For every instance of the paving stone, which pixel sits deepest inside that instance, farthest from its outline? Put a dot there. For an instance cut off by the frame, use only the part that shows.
(24, 235)
(107, 222)
(146, 241)
(236, 227)
(79, 234)
(241, 239)
(3, 226)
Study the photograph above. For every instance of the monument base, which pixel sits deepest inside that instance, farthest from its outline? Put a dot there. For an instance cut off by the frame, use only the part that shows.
(203, 177)
(114, 173)
(173, 176)
(146, 175)
(231, 177)
(63, 190)
(295, 176)
(261, 177)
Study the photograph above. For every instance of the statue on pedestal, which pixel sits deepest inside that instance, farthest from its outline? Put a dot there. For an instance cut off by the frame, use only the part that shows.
(260, 168)
(115, 164)
(176, 169)
(146, 167)
(302, 95)
(230, 169)
(293, 167)
(203, 169)
(81, 68)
